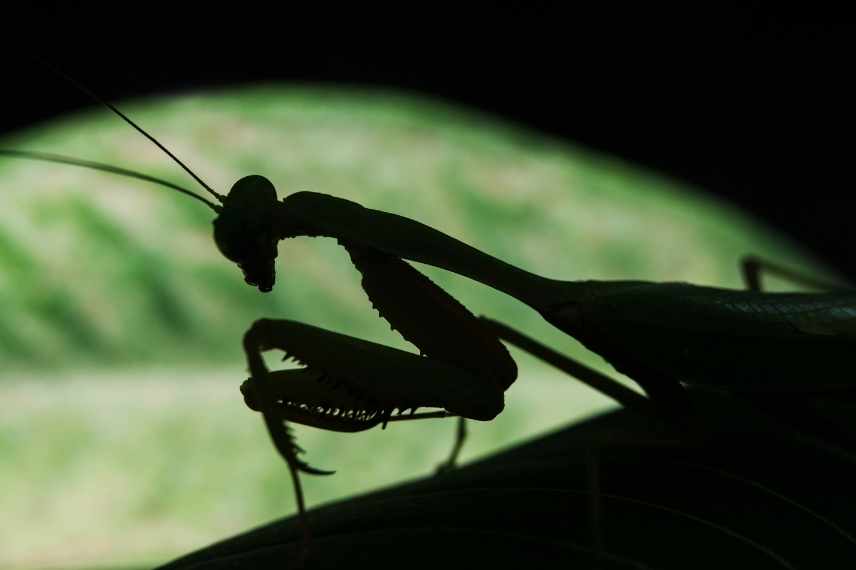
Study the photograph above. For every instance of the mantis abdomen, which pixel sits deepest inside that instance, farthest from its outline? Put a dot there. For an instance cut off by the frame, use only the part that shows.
(737, 340)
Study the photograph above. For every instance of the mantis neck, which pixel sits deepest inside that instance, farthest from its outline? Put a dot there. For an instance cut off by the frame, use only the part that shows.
(312, 214)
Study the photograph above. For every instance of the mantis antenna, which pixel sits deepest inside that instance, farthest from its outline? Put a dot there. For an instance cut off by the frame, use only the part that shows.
(139, 129)
(48, 157)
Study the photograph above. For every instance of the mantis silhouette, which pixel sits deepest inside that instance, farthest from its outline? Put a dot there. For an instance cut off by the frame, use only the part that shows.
(662, 335)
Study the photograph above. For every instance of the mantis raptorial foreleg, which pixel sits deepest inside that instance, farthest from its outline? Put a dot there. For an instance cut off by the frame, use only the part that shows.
(462, 367)
(349, 384)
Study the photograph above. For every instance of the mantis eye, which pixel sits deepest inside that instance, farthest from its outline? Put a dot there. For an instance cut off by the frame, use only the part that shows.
(244, 231)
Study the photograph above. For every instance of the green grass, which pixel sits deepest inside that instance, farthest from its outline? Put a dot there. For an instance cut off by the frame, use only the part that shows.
(124, 439)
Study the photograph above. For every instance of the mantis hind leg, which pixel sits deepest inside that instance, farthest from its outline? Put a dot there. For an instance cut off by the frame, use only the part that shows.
(752, 267)
(609, 387)
(808, 413)
(666, 398)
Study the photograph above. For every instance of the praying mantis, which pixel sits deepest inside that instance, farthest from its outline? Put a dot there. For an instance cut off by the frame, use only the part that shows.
(662, 335)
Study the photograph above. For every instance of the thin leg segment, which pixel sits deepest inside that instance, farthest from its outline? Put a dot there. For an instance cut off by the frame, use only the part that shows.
(751, 268)
(665, 398)
(607, 386)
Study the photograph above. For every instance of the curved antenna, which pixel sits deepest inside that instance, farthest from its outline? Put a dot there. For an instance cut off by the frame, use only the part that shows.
(142, 131)
(48, 157)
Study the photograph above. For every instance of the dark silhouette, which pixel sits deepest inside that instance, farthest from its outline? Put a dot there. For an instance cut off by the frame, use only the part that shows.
(747, 344)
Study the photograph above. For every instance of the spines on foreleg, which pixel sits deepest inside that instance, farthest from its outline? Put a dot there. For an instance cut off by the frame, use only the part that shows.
(430, 318)
(256, 339)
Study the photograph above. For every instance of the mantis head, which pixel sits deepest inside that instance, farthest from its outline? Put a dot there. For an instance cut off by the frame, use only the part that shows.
(244, 228)
(245, 231)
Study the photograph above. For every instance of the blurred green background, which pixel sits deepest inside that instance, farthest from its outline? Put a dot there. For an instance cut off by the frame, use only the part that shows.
(123, 437)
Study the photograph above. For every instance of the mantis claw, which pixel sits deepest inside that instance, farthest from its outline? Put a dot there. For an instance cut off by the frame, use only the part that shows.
(304, 467)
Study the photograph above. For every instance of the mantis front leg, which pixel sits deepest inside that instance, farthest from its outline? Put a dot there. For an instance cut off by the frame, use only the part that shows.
(349, 384)
(364, 384)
